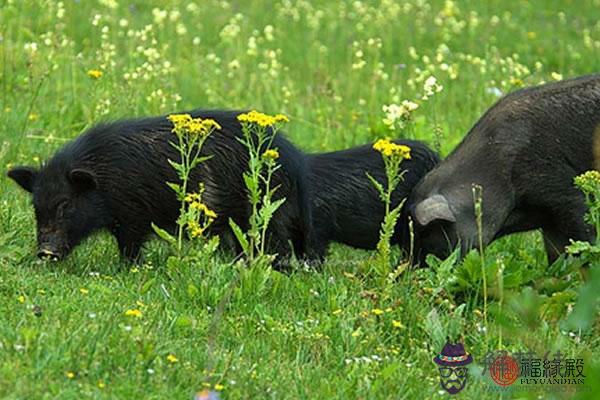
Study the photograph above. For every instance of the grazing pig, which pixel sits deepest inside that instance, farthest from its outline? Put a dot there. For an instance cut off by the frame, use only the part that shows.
(114, 177)
(524, 153)
(346, 207)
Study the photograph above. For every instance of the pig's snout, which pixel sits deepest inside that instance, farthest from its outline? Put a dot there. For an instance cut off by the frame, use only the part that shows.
(47, 253)
(51, 243)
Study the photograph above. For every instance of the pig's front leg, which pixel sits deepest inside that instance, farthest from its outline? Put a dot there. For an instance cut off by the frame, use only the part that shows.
(130, 243)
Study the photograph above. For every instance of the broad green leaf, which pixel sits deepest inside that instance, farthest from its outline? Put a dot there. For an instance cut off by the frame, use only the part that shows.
(164, 234)
(240, 236)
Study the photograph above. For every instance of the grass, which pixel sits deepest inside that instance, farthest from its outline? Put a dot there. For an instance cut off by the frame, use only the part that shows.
(333, 333)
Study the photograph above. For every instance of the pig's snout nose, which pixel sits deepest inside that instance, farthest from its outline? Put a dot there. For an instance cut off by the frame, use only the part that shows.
(47, 254)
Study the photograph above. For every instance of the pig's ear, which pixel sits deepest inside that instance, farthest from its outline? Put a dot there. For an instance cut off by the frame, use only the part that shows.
(83, 179)
(24, 176)
(433, 208)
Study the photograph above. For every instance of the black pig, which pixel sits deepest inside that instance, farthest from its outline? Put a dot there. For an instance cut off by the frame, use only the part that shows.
(114, 177)
(346, 207)
(524, 152)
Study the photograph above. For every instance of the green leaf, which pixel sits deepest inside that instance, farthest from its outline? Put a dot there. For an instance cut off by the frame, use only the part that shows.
(277, 203)
(212, 245)
(147, 286)
(176, 146)
(184, 321)
(176, 166)
(240, 236)
(250, 183)
(272, 191)
(164, 234)
(192, 290)
(175, 186)
(199, 160)
(586, 309)
(174, 264)
(378, 186)
(579, 247)
(433, 326)
(268, 209)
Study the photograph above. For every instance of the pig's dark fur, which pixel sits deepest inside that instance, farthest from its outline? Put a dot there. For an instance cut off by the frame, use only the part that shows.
(114, 177)
(346, 207)
(524, 152)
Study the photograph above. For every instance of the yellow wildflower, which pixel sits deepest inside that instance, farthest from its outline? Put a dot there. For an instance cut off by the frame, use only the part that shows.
(95, 73)
(591, 176)
(195, 127)
(377, 311)
(33, 117)
(134, 313)
(337, 312)
(397, 324)
(191, 197)
(210, 213)
(517, 82)
(219, 387)
(388, 149)
(180, 120)
(270, 154)
(101, 385)
(199, 127)
(197, 232)
(589, 183)
(21, 299)
(210, 124)
(83, 291)
(207, 211)
(70, 374)
(172, 359)
(195, 229)
(184, 123)
(263, 120)
(197, 205)
(281, 118)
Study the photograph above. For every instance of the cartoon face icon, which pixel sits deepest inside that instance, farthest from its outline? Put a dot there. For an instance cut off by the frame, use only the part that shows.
(453, 379)
(452, 362)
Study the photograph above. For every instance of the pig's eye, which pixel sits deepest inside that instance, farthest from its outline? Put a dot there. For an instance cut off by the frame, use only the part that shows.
(61, 207)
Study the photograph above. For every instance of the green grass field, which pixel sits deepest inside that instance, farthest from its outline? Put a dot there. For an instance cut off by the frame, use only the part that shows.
(330, 66)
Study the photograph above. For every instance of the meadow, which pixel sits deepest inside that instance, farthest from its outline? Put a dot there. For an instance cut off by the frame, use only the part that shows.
(95, 326)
